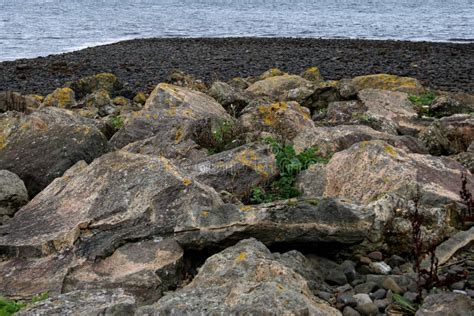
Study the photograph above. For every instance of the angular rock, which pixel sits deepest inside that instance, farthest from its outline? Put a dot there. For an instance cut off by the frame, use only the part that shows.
(144, 270)
(169, 111)
(243, 279)
(330, 140)
(13, 194)
(449, 135)
(39, 147)
(294, 221)
(14, 101)
(285, 119)
(61, 98)
(275, 87)
(23, 278)
(85, 303)
(392, 109)
(232, 99)
(368, 170)
(446, 105)
(236, 171)
(446, 304)
(120, 196)
(387, 82)
(87, 85)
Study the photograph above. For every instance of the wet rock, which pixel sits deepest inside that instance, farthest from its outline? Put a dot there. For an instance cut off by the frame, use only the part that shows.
(168, 113)
(275, 87)
(294, 221)
(88, 85)
(237, 171)
(244, 278)
(388, 82)
(446, 304)
(120, 196)
(86, 303)
(13, 194)
(285, 119)
(61, 98)
(449, 135)
(39, 147)
(232, 99)
(144, 270)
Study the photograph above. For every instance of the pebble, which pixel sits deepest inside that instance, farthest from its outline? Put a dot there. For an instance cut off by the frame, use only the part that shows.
(380, 267)
(325, 295)
(362, 299)
(350, 273)
(458, 285)
(379, 294)
(395, 261)
(390, 284)
(347, 300)
(382, 304)
(367, 287)
(349, 311)
(410, 296)
(375, 255)
(344, 288)
(369, 309)
(365, 260)
(337, 277)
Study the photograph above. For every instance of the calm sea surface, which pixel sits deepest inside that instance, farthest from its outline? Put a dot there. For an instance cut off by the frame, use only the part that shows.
(30, 28)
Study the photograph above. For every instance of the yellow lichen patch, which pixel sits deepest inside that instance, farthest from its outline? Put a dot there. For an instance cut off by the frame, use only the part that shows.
(268, 112)
(280, 286)
(179, 135)
(389, 150)
(61, 97)
(250, 159)
(121, 101)
(3, 141)
(312, 74)
(246, 208)
(140, 98)
(242, 256)
(388, 82)
(205, 213)
(273, 72)
(171, 111)
(187, 181)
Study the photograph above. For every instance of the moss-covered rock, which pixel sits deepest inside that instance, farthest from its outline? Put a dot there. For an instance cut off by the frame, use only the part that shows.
(62, 98)
(388, 82)
(87, 85)
(273, 72)
(181, 79)
(140, 98)
(312, 74)
(276, 87)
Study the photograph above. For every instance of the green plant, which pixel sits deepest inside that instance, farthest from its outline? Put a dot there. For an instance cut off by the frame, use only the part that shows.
(289, 165)
(404, 305)
(9, 307)
(422, 102)
(116, 121)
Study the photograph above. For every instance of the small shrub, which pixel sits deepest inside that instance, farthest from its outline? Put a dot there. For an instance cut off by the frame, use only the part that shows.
(116, 121)
(404, 305)
(422, 103)
(9, 307)
(289, 165)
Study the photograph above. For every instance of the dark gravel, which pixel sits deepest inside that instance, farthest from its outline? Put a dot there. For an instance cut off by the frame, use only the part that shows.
(145, 62)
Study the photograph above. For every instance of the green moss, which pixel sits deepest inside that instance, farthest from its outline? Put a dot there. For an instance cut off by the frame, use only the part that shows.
(422, 103)
(116, 122)
(9, 307)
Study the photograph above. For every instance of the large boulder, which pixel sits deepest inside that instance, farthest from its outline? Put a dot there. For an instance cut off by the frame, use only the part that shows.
(383, 82)
(143, 269)
(61, 98)
(169, 112)
(392, 110)
(275, 87)
(303, 221)
(449, 135)
(93, 209)
(452, 304)
(285, 119)
(368, 170)
(236, 171)
(243, 279)
(39, 147)
(329, 140)
(13, 194)
(84, 303)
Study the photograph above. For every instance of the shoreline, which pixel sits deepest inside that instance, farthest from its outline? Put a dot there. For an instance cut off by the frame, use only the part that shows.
(145, 62)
